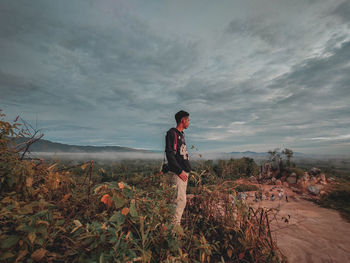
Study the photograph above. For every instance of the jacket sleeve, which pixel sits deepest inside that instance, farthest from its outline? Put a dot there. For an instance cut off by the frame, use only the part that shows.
(170, 153)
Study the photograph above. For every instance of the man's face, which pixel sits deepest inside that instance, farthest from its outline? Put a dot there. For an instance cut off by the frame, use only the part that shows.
(186, 122)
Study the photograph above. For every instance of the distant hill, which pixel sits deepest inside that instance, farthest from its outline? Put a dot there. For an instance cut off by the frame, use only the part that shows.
(258, 155)
(48, 146)
(249, 154)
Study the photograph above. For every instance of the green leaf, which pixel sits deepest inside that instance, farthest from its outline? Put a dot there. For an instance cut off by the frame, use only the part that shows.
(128, 192)
(60, 222)
(9, 241)
(41, 213)
(118, 201)
(113, 218)
(118, 217)
(133, 211)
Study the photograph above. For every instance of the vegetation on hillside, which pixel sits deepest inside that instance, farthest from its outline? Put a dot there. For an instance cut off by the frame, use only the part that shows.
(84, 213)
(338, 198)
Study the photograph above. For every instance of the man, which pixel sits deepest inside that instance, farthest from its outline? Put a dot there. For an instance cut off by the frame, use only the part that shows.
(179, 165)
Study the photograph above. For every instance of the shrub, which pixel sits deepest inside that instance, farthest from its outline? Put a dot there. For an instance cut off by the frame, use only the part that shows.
(339, 199)
(219, 228)
(246, 188)
(235, 168)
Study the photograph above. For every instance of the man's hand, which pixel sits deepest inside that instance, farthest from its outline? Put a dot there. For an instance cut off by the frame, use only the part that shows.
(183, 175)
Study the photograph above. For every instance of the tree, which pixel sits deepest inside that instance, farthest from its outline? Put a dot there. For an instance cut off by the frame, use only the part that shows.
(275, 158)
(251, 167)
(289, 154)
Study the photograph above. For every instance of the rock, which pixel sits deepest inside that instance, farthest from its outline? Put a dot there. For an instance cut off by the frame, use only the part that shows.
(322, 178)
(305, 177)
(314, 189)
(242, 196)
(273, 179)
(268, 181)
(278, 182)
(253, 179)
(302, 184)
(312, 180)
(292, 179)
(314, 171)
(268, 175)
(305, 196)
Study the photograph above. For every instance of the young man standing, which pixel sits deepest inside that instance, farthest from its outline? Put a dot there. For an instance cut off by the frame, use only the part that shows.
(179, 165)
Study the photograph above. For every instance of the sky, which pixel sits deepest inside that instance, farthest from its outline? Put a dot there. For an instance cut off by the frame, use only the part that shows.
(254, 75)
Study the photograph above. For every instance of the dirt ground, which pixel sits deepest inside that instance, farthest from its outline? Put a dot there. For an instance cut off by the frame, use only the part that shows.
(312, 233)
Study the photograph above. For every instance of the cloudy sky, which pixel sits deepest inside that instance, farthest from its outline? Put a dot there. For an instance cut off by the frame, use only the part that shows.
(254, 75)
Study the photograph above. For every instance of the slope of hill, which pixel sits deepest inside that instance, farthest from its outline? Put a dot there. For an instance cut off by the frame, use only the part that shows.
(48, 146)
(261, 154)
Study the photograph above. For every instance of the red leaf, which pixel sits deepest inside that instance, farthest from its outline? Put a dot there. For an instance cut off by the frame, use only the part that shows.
(107, 200)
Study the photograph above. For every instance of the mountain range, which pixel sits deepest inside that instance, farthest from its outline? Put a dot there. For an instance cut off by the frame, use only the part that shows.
(48, 146)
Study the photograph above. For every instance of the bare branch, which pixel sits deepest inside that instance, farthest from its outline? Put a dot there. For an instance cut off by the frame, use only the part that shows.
(30, 142)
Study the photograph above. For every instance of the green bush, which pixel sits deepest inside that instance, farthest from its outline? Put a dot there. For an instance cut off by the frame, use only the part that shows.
(339, 199)
(246, 188)
(235, 168)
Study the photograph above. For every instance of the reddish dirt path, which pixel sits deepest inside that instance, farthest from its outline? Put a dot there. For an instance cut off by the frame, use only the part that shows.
(313, 233)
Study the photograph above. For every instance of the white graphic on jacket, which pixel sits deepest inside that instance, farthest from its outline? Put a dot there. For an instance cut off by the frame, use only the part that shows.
(183, 151)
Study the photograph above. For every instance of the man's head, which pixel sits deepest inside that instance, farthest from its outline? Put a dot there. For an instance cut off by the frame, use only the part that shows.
(182, 118)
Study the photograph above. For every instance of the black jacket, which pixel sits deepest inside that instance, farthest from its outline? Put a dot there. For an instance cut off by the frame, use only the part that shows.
(176, 151)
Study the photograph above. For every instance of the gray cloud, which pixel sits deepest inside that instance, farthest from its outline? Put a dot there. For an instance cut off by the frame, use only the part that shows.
(253, 75)
(343, 11)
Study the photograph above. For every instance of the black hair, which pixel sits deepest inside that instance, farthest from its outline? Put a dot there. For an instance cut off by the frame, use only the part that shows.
(179, 115)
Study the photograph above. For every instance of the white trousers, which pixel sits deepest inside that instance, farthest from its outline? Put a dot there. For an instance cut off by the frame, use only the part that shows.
(180, 200)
